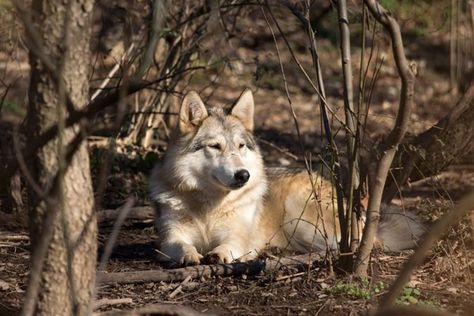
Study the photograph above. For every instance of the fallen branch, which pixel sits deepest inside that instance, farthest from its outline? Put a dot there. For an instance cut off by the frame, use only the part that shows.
(157, 309)
(411, 311)
(111, 301)
(141, 213)
(300, 262)
(13, 237)
(179, 289)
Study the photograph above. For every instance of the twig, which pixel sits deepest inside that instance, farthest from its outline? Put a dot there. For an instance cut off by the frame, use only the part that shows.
(291, 276)
(8, 237)
(2, 99)
(321, 308)
(112, 72)
(321, 96)
(107, 159)
(282, 150)
(83, 116)
(296, 124)
(351, 120)
(158, 19)
(141, 213)
(111, 301)
(110, 244)
(179, 288)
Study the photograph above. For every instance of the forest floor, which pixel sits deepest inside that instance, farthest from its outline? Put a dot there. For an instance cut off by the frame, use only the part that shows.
(444, 281)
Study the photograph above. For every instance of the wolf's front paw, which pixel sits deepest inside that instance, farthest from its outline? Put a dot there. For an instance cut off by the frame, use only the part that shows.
(181, 254)
(222, 254)
(190, 256)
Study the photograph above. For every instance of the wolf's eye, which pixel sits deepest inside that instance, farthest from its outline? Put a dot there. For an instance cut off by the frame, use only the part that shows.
(215, 146)
(242, 145)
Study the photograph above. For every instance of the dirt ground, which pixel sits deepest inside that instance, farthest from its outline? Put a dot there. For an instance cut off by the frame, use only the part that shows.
(444, 281)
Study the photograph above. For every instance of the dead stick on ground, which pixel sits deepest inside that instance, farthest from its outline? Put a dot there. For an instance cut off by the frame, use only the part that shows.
(286, 277)
(157, 309)
(11, 237)
(111, 301)
(141, 213)
(180, 287)
(174, 275)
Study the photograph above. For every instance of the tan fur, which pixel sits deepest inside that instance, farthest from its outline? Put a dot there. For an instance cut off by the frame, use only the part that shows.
(293, 217)
(204, 208)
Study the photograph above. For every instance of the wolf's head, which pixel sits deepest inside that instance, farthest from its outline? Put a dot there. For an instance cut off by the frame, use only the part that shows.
(213, 149)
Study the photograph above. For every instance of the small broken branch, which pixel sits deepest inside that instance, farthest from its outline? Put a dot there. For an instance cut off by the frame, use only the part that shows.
(136, 214)
(111, 301)
(179, 288)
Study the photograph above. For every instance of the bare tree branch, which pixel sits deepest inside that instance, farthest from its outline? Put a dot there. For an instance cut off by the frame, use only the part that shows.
(122, 215)
(300, 139)
(84, 116)
(157, 22)
(387, 149)
(303, 17)
(351, 122)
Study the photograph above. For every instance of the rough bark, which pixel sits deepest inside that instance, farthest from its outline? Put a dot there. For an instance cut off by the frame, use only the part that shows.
(432, 151)
(57, 296)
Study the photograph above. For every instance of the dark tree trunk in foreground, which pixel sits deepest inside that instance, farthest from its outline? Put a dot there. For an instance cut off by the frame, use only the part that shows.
(435, 149)
(57, 295)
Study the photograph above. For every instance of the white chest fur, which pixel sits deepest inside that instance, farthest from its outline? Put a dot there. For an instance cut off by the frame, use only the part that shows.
(206, 222)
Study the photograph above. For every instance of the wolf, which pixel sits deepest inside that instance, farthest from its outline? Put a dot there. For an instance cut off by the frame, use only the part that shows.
(216, 202)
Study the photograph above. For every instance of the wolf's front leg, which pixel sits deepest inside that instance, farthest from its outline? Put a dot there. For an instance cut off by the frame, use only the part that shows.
(180, 253)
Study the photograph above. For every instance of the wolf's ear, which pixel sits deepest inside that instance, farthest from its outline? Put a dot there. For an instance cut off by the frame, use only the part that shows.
(192, 112)
(244, 109)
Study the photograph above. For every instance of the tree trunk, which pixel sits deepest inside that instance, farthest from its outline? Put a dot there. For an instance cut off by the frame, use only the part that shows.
(68, 274)
(434, 150)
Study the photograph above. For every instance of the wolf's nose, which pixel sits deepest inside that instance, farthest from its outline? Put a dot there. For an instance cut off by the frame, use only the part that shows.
(242, 176)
